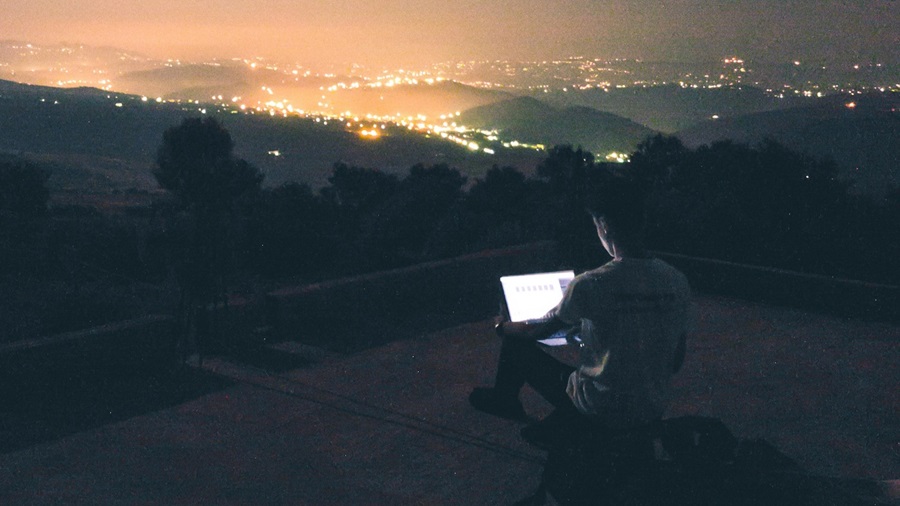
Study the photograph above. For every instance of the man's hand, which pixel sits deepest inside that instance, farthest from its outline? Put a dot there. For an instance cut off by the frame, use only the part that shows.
(529, 331)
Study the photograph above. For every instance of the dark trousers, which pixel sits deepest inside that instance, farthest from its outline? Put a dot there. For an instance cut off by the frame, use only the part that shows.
(523, 362)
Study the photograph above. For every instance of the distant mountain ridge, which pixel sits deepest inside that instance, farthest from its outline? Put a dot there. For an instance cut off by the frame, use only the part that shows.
(410, 100)
(861, 134)
(95, 140)
(529, 120)
(83, 122)
(671, 108)
(333, 93)
(16, 88)
(173, 81)
(251, 83)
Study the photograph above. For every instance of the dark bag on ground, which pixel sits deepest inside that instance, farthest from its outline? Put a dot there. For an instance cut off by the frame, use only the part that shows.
(689, 460)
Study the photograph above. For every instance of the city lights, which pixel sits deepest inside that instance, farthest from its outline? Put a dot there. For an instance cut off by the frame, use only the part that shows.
(617, 157)
(345, 99)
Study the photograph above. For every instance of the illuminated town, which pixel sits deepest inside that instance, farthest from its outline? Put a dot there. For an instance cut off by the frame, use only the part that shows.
(294, 90)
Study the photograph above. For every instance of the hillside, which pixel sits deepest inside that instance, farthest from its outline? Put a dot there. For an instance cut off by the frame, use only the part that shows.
(528, 120)
(177, 80)
(12, 90)
(314, 92)
(431, 100)
(672, 108)
(105, 141)
(862, 134)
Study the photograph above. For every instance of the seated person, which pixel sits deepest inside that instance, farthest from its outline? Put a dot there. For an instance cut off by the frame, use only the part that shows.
(633, 317)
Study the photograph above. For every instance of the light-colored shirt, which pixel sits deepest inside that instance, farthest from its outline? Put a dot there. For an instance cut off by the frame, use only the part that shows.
(632, 314)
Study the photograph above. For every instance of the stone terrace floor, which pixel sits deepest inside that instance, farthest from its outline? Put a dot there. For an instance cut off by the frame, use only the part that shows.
(392, 425)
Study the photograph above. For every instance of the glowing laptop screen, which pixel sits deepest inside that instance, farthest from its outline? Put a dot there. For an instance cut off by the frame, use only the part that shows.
(532, 296)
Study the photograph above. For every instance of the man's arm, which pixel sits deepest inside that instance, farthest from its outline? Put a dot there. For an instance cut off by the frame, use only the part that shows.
(530, 331)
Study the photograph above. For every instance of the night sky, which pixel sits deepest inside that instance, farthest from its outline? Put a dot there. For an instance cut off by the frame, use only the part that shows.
(414, 32)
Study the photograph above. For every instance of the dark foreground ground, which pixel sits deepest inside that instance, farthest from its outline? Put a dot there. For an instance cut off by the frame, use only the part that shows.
(391, 425)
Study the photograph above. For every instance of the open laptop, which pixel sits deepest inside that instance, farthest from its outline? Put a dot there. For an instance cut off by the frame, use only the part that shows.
(531, 297)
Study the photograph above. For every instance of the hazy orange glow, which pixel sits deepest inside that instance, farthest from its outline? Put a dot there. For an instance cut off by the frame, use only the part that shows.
(398, 32)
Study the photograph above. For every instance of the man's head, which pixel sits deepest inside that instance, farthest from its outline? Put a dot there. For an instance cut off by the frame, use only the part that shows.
(616, 204)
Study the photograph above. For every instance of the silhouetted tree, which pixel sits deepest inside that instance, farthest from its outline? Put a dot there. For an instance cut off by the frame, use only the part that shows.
(23, 215)
(501, 192)
(763, 204)
(565, 167)
(355, 193)
(890, 247)
(563, 215)
(293, 232)
(23, 198)
(657, 157)
(195, 162)
(805, 206)
(358, 190)
(502, 208)
(400, 230)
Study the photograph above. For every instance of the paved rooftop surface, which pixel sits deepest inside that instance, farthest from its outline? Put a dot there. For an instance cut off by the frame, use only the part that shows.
(392, 425)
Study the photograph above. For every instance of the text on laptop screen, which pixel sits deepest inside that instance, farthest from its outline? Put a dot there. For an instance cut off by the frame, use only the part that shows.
(532, 296)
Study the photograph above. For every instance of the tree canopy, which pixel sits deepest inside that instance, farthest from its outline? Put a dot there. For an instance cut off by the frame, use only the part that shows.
(196, 163)
(23, 197)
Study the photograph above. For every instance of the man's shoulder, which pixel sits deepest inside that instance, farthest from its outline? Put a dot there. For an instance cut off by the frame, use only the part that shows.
(596, 274)
(667, 267)
(631, 264)
(674, 275)
(627, 269)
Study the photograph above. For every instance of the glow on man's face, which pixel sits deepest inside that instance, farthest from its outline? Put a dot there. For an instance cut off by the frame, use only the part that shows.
(603, 234)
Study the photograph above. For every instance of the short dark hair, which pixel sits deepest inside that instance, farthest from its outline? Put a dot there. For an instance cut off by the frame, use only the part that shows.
(619, 201)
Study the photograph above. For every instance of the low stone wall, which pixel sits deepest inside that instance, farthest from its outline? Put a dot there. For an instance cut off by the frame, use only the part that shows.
(362, 311)
(138, 343)
(365, 310)
(826, 294)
